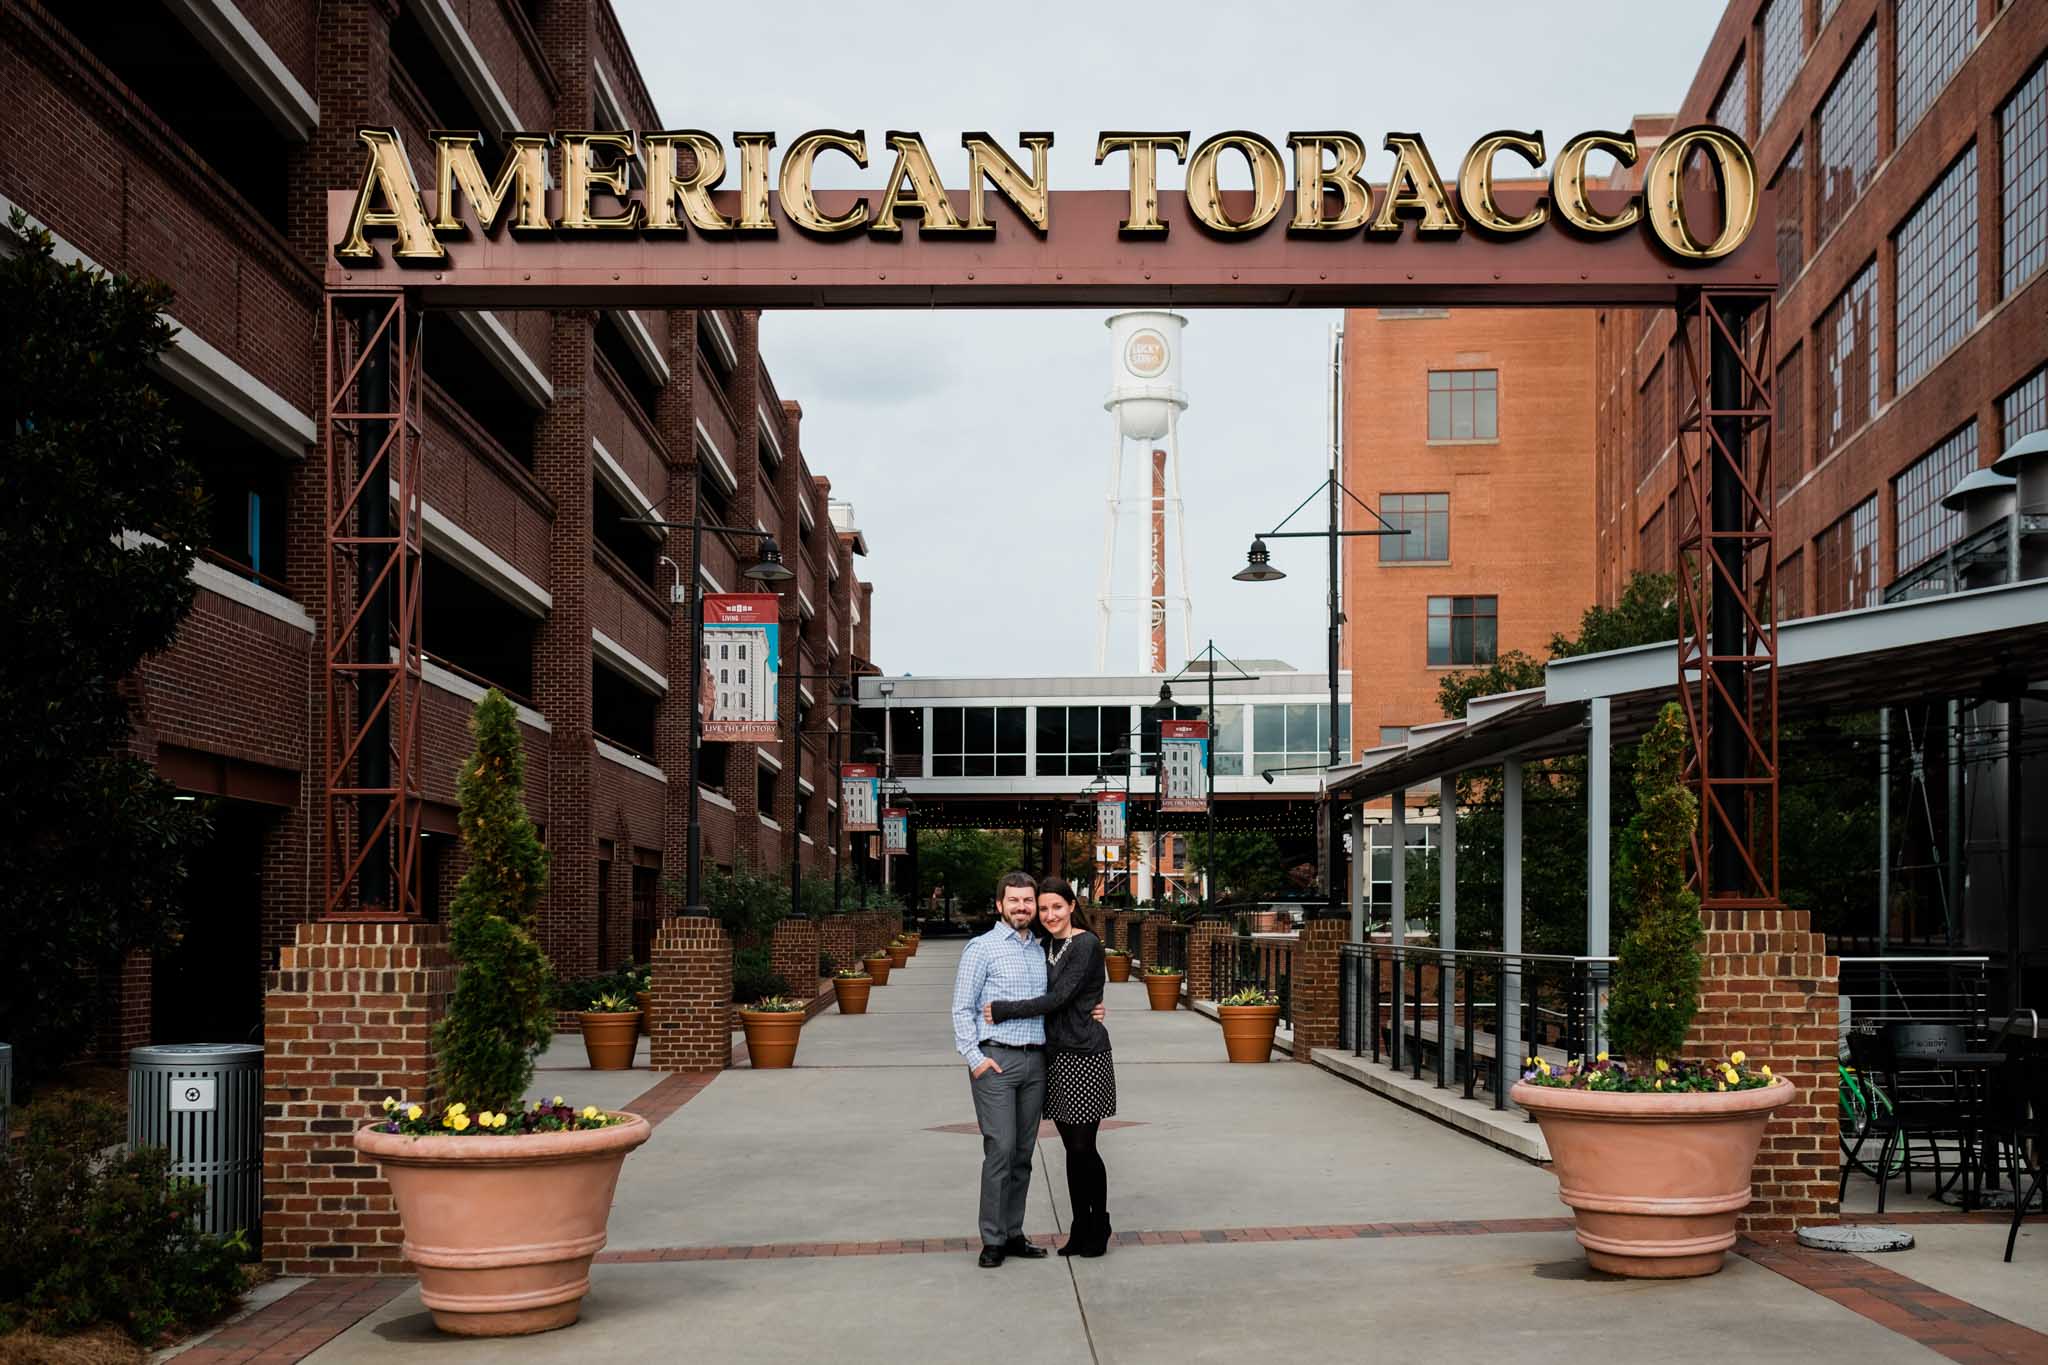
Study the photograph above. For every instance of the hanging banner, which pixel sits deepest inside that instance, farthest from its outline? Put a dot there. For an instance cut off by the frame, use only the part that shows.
(895, 831)
(1109, 818)
(1183, 765)
(742, 651)
(860, 798)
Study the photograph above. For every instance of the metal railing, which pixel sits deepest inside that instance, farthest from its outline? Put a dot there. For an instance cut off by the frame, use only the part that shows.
(1241, 961)
(1172, 950)
(1915, 989)
(1460, 1012)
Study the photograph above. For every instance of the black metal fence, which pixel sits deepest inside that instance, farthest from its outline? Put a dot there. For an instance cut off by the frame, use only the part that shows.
(1916, 989)
(1465, 1015)
(1243, 961)
(1172, 947)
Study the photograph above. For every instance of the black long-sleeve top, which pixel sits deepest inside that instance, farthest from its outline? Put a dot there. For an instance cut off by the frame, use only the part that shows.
(1073, 988)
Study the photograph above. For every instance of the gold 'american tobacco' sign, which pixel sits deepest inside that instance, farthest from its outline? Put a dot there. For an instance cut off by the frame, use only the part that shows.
(677, 173)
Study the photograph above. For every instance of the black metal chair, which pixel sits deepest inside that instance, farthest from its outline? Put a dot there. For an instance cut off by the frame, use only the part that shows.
(2022, 1124)
(1925, 1102)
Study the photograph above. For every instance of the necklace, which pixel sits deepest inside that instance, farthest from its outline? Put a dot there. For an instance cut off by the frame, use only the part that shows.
(1053, 958)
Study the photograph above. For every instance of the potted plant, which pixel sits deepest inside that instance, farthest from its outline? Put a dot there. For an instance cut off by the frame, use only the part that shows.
(915, 938)
(1118, 962)
(899, 951)
(879, 964)
(1654, 1154)
(851, 985)
(470, 1172)
(611, 1030)
(1162, 987)
(773, 1024)
(1250, 1017)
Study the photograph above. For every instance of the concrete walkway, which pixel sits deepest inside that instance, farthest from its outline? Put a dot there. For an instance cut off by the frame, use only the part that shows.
(828, 1212)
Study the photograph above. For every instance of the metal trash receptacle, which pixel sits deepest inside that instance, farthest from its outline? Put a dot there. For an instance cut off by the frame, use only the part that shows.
(204, 1102)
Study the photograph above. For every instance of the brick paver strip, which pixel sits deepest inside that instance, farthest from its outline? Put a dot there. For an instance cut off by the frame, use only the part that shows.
(669, 1094)
(298, 1324)
(1944, 1324)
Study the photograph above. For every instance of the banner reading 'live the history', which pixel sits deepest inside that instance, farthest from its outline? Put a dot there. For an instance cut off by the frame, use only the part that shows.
(742, 652)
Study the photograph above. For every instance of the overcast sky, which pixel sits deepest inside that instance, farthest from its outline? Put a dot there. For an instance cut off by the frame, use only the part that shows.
(973, 445)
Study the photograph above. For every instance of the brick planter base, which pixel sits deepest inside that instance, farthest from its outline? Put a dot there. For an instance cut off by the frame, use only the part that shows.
(692, 997)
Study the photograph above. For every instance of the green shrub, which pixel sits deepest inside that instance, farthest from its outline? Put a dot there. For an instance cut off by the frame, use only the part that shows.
(503, 1011)
(1657, 980)
(96, 1233)
(753, 977)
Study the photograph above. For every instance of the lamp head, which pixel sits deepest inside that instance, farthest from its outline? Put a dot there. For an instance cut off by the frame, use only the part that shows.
(1267, 773)
(1258, 564)
(770, 568)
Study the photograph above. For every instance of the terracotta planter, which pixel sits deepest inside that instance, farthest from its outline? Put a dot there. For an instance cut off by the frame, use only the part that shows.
(852, 993)
(771, 1037)
(916, 942)
(502, 1229)
(1163, 991)
(1248, 1031)
(609, 1039)
(1119, 965)
(879, 967)
(1654, 1181)
(642, 999)
(899, 954)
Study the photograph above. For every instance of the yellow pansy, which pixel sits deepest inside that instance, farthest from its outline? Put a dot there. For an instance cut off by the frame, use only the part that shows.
(457, 1110)
(1660, 1084)
(1602, 1057)
(1767, 1073)
(414, 1113)
(1736, 1058)
(459, 1122)
(390, 1103)
(1720, 1085)
(590, 1111)
(557, 1101)
(1662, 1066)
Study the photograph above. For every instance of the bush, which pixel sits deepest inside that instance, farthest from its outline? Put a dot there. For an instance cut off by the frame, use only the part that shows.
(96, 1233)
(503, 1011)
(753, 978)
(1657, 979)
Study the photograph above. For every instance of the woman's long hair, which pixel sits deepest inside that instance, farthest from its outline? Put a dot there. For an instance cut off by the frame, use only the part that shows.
(1064, 889)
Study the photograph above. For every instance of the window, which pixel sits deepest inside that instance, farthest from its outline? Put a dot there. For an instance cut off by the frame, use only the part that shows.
(1848, 136)
(1790, 187)
(1791, 587)
(1074, 740)
(1731, 110)
(636, 546)
(1925, 528)
(1781, 36)
(620, 712)
(2023, 409)
(1936, 254)
(1226, 740)
(1845, 561)
(1393, 734)
(711, 766)
(1788, 437)
(1463, 405)
(1296, 735)
(1421, 839)
(714, 504)
(765, 781)
(978, 741)
(1426, 517)
(473, 631)
(1462, 630)
(1847, 340)
(1651, 439)
(1934, 37)
(2023, 152)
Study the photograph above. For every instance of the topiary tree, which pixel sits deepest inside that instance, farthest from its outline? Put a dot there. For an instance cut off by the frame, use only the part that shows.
(503, 1012)
(1657, 981)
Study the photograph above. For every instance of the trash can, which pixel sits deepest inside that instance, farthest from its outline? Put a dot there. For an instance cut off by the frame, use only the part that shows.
(204, 1102)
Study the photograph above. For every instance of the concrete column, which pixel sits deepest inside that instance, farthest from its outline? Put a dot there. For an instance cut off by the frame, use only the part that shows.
(1447, 921)
(1599, 868)
(1510, 991)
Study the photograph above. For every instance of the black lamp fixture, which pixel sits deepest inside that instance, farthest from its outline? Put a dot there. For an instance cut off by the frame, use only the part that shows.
(1258, 566)
(770, 568)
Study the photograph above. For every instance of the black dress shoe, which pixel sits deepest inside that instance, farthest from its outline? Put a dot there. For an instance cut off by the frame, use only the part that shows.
(1023, 1250)
(990, 1258)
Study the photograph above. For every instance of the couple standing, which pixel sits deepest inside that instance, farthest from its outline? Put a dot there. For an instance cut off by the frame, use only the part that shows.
(1027, 1017)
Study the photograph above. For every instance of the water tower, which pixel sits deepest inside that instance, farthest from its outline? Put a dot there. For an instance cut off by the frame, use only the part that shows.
(1144, 404)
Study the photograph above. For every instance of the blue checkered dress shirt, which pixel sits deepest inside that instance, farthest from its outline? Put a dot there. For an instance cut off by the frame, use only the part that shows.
(997, 966)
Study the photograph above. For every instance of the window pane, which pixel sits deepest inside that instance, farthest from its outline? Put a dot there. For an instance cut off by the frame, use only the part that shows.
(2023, 148)
(946, 765)
(1393, 734)
(1731, 109)
(1439, 379)
(1439, 413)
(979, 765)
(1484, 639)
(1847, 336)
(1791, 190)
(1461, 639)
(1461, 417)
(2023, 409)
(1269, 728)
(981, 730)
(1052, 729)
(1934, 36)
(1010, 765)
(1010, 729)
(1439, 640)
(1925, 527)
(1936, 253)
(1052, 765)
(1782, 33)
(1484, 422)
(1788, 441)
(946, 732)
(1301, 727)
(1848, 135)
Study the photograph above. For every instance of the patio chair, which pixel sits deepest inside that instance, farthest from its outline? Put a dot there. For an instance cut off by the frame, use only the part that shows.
(2023, 1126)
(1926, 1103)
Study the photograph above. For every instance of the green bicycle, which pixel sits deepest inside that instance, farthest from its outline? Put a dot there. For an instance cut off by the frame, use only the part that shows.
(1865, 1113)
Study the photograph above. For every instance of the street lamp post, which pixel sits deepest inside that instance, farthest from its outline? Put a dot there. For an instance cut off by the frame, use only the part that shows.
(1210, 653)
(769, 568)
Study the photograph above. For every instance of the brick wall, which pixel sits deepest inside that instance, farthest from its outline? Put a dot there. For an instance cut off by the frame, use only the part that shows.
(1315, 995)
(1148, 937)
(348, 1020)
(793, 956)
(1768, 987)
(124, 1003)
(1202, 936)
(692, 997)
(836, 940)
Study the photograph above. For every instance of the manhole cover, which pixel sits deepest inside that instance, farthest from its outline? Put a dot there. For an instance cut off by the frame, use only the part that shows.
(1855, 1239)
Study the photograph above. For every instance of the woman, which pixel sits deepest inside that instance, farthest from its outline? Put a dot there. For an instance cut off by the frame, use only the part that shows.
(1080, 1080)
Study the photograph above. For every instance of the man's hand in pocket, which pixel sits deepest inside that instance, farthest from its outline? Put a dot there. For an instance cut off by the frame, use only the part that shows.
(988, 1064)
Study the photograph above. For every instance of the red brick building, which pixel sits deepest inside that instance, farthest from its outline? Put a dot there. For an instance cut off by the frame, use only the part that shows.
(1907, 142)
(213, 129)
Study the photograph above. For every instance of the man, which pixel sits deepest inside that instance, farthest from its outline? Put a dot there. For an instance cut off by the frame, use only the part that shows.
(1006, 1064)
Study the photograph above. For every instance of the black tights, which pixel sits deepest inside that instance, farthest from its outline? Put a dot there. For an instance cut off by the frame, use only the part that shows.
(1087, 1179)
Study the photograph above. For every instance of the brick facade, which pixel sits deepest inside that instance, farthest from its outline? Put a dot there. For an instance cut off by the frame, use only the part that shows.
(692, 997)
(793, 956)
(348, 1020)
(1316, 997)
(1202, 948)
(836, 940)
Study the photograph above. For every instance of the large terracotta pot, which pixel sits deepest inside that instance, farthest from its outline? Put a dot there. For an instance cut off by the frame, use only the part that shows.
(1164, 990)
(899, 954)
(879, 967)
(1119, 965)
(852, 992)
(609, 1039)
(916, 941)
(644, 1000)
(502, 1229)
(1248, 1031)
(771, 1037)
(1654, 1181)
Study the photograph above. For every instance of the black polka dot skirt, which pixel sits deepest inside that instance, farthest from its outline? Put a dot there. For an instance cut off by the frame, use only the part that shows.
(1080, 1087)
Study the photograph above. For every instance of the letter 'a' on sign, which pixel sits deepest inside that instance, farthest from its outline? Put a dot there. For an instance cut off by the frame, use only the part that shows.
(1414, 190)
(1664, 191)
(914, 187)
(387, 179)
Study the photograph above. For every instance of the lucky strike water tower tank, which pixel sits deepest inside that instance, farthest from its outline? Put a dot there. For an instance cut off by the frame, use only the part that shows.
(1145, 403)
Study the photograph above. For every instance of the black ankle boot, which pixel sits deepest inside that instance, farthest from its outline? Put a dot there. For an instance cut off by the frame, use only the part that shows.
(1099, 1232)
(1078, 1233)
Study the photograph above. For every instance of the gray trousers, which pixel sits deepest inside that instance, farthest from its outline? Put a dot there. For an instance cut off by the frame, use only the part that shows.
(1007, 1104)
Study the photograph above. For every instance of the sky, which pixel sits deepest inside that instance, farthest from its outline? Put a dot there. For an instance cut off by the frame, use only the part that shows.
(973, 445)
